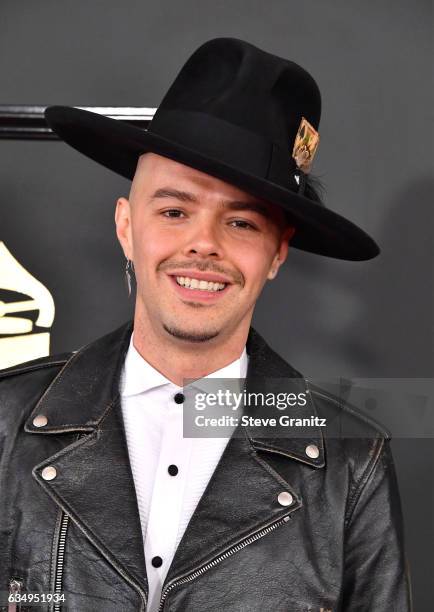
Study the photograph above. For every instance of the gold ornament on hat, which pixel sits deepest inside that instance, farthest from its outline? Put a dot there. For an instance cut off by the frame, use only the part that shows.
(305, 145)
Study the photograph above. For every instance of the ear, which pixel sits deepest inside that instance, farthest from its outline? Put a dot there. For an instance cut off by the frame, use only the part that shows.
(123, 227)
(282, 252)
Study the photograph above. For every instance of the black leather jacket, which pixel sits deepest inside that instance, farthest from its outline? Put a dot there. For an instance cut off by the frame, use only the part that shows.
(338, 546)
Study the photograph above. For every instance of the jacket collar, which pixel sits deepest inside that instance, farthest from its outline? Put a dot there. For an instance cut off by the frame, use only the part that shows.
(88, 385)
(85, 388)
(94, 483)
(269, 373)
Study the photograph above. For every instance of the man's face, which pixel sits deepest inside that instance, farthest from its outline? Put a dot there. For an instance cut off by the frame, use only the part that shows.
(202, 249)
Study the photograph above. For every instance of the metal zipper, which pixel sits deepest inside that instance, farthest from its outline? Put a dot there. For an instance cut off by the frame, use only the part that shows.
(217, 560)
(60, 557)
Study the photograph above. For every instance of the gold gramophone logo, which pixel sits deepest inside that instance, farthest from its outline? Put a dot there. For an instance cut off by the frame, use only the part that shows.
(18, 340)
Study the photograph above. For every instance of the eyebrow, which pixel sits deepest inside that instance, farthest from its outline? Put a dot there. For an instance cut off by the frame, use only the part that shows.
(166, 192)
(185, 196)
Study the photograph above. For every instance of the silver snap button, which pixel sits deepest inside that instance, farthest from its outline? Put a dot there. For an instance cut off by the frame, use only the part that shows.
(312, 451)
(49, 472)
(285, 498)
(40, 420)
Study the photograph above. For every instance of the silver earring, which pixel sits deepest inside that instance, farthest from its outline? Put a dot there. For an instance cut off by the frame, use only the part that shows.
(128, 271)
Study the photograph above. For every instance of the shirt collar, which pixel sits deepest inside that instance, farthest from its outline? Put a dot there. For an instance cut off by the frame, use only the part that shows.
(139, 376)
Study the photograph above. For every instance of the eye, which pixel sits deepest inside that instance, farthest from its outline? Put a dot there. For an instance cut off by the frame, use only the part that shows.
(173, 213)
(242, 224)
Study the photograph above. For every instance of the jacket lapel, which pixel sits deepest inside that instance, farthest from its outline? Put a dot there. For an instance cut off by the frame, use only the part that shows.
(241, 498)
(94, 483)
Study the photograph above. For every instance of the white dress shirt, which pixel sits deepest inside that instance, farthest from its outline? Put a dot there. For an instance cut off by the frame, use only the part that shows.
(154, 432)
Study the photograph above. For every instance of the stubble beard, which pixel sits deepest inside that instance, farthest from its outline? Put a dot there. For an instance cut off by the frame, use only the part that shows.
(190, 336)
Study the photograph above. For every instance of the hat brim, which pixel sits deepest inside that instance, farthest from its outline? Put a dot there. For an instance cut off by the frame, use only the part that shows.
(118, 145)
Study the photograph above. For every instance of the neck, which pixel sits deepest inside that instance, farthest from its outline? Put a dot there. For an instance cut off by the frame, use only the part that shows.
(178, 359)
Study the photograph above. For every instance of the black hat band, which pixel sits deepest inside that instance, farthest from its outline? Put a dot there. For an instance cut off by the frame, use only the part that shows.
(216, 138)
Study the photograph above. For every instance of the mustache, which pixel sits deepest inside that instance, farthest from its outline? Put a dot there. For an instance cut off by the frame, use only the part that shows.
(201, 266)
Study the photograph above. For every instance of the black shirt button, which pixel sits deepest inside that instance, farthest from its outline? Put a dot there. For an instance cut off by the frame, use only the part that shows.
(179, 398)
(157, 561)
(172, 469)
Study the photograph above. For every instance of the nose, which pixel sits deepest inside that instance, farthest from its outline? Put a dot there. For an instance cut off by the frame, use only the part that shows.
(204, 239)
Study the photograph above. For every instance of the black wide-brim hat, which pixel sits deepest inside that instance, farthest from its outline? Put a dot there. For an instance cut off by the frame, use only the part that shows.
(232, 112)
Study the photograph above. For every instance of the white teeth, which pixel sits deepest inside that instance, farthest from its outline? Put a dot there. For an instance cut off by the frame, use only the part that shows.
(203, 285)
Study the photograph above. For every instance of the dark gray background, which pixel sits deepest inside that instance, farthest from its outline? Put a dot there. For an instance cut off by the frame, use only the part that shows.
(328, 318)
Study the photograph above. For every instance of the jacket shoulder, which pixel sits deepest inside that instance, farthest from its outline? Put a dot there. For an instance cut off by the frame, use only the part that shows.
(344, 420)
(53, 362)
(344, 417)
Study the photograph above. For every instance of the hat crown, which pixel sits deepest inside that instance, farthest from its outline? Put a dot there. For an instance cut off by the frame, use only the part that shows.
(232, 112)
(239, 83)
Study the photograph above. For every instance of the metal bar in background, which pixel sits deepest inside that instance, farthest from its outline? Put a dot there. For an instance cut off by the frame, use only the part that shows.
(27, 122)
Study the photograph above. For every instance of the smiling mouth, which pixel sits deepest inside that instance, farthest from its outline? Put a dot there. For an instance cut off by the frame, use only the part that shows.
(198, 284)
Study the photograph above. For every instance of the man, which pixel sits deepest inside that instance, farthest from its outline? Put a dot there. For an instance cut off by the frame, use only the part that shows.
(105, 504)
